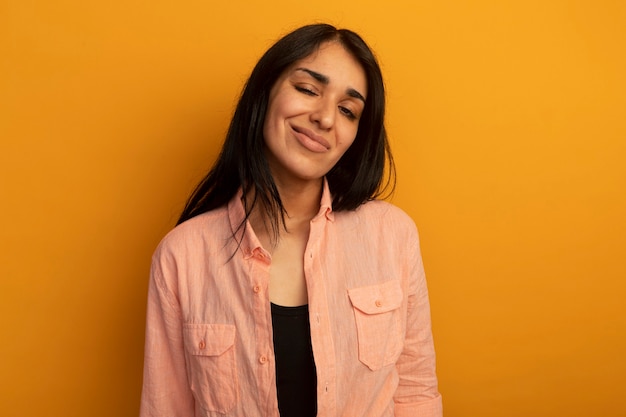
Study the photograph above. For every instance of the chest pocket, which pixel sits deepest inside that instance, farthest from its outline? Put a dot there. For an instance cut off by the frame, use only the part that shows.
(378, 321)
(211, 365)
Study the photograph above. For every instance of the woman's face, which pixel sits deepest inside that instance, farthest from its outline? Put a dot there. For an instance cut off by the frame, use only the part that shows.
(313, 114)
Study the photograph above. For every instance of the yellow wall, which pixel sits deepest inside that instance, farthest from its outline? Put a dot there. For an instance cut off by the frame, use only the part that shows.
(508, 124)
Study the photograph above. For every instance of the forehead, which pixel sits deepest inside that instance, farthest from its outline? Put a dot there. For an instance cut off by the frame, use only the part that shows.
(332, 60)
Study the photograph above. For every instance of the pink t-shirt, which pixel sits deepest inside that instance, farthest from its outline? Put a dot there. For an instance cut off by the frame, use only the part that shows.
(209, 348)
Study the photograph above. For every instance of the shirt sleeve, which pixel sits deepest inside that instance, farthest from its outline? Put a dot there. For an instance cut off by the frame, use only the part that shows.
(417, 394)
(166, 390)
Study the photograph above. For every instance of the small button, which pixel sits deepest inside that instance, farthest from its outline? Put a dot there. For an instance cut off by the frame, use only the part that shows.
(256, 289)
(378, 303)
(263, 359)
(202, 345)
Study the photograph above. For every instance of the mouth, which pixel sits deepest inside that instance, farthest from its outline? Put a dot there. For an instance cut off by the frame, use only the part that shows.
(311, 140)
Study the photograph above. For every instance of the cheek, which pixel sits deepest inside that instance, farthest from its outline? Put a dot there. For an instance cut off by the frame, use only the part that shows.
(347, 135)
(270, 123)
(275, 114)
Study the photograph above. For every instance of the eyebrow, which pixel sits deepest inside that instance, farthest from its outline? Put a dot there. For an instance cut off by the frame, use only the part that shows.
(325, 80)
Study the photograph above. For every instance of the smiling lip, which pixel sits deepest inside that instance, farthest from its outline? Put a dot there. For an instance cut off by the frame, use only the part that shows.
(311, 140)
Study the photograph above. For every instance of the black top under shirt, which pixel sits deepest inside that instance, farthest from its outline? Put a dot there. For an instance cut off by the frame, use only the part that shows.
(296, 380)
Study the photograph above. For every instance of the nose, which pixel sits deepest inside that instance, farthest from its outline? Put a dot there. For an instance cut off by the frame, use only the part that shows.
(324, 114)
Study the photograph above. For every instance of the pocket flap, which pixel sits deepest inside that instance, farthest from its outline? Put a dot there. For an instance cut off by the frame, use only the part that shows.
(208, 339)
(375, 299)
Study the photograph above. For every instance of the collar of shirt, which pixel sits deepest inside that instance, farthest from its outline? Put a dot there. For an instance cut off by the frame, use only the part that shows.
(244, 234)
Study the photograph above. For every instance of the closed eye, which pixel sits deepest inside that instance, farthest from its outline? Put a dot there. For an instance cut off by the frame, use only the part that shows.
(347, 112)
(305, 90)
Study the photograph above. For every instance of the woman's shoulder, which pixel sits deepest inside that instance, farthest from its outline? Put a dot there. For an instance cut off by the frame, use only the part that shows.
(197, 231)
(380, 216)
(385, 212)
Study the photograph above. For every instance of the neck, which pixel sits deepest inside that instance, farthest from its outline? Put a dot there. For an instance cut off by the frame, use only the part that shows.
(301, 200)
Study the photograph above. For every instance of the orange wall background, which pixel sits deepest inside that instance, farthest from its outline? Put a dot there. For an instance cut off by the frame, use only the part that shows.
(508, 125)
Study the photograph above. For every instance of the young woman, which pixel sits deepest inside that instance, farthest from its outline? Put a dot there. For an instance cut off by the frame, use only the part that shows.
(286, 288)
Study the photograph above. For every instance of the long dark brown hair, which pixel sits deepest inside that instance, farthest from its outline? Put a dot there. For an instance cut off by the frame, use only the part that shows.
(357, 177)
